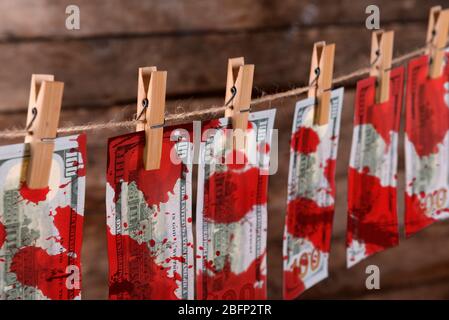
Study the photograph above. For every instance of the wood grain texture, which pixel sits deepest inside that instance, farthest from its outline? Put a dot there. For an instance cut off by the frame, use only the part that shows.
(45, 19)
(103, 72)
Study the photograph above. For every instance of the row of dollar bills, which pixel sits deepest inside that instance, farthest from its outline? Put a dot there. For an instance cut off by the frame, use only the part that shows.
(151, 248)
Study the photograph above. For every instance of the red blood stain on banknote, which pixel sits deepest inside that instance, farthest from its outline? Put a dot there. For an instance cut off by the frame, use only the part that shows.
(309, 221)
(165, 179)
(2, 234)
(311, 197)
(372, 219)
(427, 116)
(427, 146)
(33, 195)
(231, 221)
(237, 194)
(162, 180)
(82, 143)
(383, 117)
(305, 140)
(49, 272)
(148, 215)
(153, 282)
(417, 217)
(224, 284)
(329, 171)
(372, 214)
(293, 284)
(42, 244)
(66, 219)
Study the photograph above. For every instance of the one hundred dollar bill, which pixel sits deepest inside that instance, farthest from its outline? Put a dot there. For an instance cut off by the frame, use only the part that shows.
(311, 196)
(426, 146)
(149, 218)
(41, 229)
(372, 177)
(231, 229)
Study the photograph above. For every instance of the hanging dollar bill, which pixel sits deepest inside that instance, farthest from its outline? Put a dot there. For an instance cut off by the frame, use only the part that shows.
(232, 210)
(311, 196)
(149, 218)
(41, 229)
(372, 177)
(426, 146)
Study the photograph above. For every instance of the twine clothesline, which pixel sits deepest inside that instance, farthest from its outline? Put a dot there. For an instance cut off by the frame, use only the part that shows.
(212, 110)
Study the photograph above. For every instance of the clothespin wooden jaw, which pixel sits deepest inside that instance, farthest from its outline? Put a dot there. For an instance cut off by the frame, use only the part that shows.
(437, 35)
(151, 113)
(320, 80)
(239, 86)
(144, 76)
(44, 107)
(381, 59)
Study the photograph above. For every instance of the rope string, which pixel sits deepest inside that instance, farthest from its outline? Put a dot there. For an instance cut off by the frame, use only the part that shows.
(213, 110)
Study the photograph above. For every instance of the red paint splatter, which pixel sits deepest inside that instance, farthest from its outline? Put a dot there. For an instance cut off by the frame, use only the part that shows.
(139, 277)
(33, 195)
(415, 215)
(236, 160)
(231, 195)
(2, 234)
(216, 124)
(34, 267)
(130, 167)
(62, 186)
(305, 140)
(70, 225)
(384, 117)
(293, 285)
(180, 259)
(305, 219)
(427, 123)
(329, 173)
(372, 216)
(82, 149)
(263, 147)
(165, 179)
(227, 285)
(427, 114)
(211, 124)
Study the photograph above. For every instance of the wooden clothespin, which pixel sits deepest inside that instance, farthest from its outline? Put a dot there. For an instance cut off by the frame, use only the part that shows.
(144, 76)
(381, 58)
(44, 107)
(437, 34)
(321, 72)
(151, 93)
(239, 87)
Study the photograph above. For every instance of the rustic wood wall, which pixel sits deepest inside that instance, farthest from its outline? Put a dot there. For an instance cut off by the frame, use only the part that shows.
(192, 39)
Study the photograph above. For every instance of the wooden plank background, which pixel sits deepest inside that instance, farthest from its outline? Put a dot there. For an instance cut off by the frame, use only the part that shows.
(192, 39)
